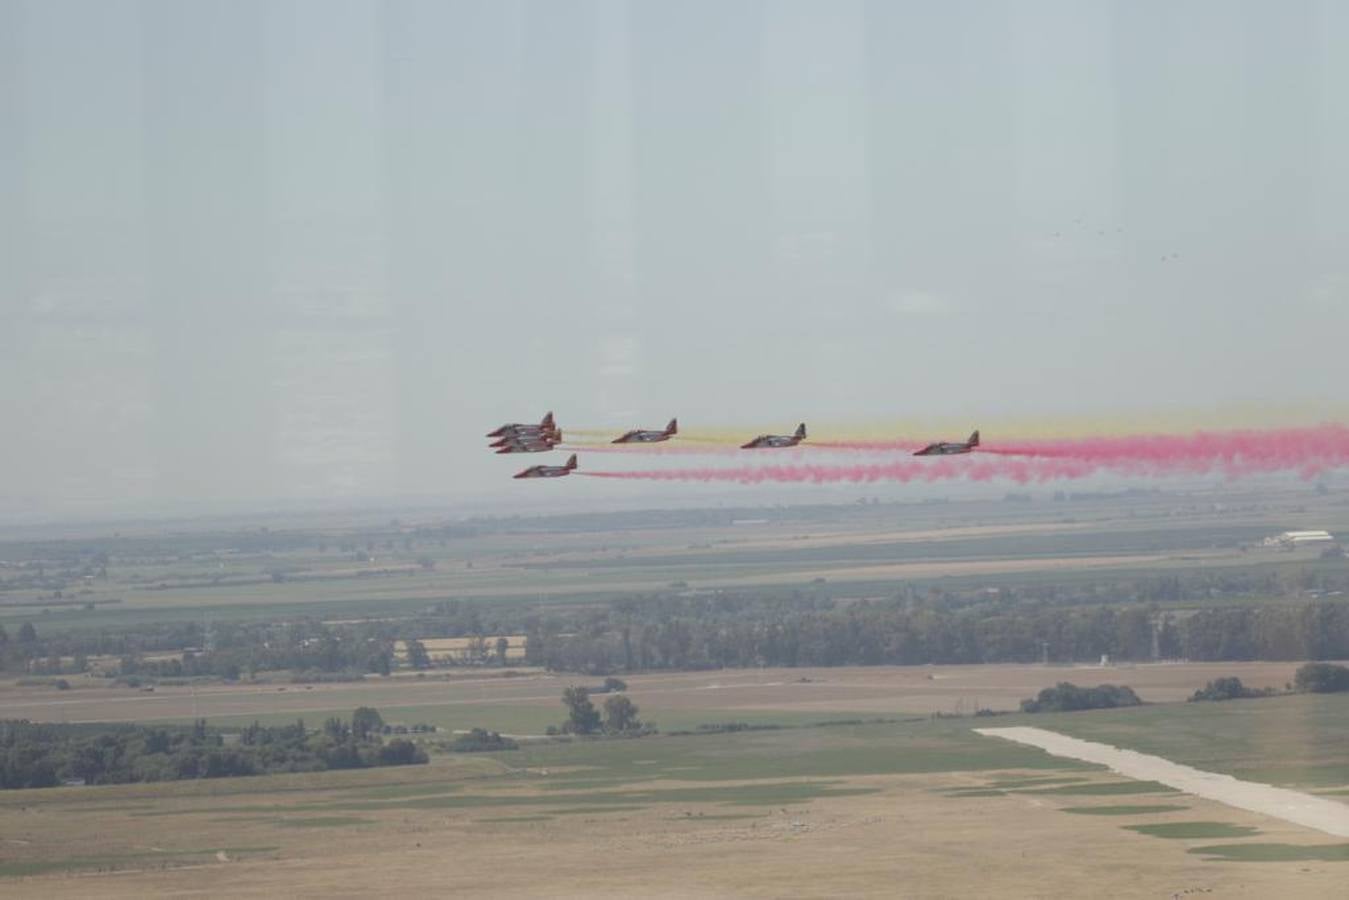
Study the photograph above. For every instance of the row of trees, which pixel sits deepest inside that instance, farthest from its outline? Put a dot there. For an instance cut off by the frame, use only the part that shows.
(770, 627)
(43, 755)
(904, 632)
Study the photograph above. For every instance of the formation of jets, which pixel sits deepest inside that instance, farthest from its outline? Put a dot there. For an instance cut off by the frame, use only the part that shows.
(519, 437)
(524, 437)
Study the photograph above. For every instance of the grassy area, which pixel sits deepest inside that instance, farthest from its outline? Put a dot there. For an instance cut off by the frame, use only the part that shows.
(1104, 789)
(323, 822)
(1195, 830)
(774, 783)
(113, 862)
(621, 773)
(516, 819)
(1140, 809)
(534, 718)
(1297, 741)
(936, 746)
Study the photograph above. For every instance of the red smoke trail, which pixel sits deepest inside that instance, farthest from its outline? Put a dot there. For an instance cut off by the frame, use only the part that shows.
(1304, 450)
(1021, 470)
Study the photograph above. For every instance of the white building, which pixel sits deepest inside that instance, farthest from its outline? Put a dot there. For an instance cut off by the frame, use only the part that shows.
(1291, 539)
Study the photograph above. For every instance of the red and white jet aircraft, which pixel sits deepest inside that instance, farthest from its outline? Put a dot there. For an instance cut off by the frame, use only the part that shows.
(549, 471)
(527, 443)
(547, 426)
(638, 436)
(949, 448)
(770, 441)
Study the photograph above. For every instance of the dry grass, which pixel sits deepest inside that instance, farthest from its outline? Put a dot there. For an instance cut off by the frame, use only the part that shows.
(904, 838)
(922, 809)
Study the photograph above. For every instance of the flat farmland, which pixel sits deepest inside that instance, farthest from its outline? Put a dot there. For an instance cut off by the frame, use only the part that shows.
(528, 703)
(845, 551)
(849, 809)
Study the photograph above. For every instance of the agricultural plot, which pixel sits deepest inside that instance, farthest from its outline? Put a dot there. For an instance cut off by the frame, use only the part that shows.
(527, 704)
(364, 570)
(847, 780)
(850, 808)
(1297, 742)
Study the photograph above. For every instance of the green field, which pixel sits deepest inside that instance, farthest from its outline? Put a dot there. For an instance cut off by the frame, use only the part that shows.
(1194, 830)
(1299, 741)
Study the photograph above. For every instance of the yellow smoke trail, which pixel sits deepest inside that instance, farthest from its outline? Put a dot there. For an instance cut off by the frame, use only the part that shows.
(922, 429)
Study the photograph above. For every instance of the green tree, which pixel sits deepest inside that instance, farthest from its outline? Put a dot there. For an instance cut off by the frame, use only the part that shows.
(1322, 678)
(582, 717)
(400, 752)
(1068, 697)
(1228, 688)
(418, 658)
(381, 663)
(27, 633)
(336, 729)
(620, 715)
(366, 722)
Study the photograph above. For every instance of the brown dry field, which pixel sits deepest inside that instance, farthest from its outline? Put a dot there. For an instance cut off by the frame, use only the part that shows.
(675, 543)
(906, 840)
(446, 648)
(909, 838)
(508, 580)
(861, 689)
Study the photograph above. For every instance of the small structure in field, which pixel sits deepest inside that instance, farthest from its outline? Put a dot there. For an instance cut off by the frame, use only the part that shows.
(1291, 540)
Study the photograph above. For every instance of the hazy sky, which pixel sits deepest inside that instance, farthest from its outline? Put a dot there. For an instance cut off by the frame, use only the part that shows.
(314, 249)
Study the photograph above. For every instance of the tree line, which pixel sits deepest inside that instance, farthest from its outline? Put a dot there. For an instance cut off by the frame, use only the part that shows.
(730, 629)
(43, 755)
(638, 636)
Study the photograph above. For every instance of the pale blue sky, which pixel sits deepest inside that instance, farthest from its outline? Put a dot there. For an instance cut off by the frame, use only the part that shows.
(313, 249)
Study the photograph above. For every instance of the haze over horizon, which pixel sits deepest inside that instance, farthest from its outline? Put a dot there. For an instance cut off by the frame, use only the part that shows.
(307, 251)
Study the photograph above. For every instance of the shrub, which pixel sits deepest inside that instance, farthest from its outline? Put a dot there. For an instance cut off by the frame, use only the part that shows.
(399, 752)
(1067, 697)
(1322, 678)
(1229, 688)
(479, 740)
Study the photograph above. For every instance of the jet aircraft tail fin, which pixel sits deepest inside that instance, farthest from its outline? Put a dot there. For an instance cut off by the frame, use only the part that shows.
(547, 422)
(673, 427)
(974, 438)
(571, 462)
(800, 430)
